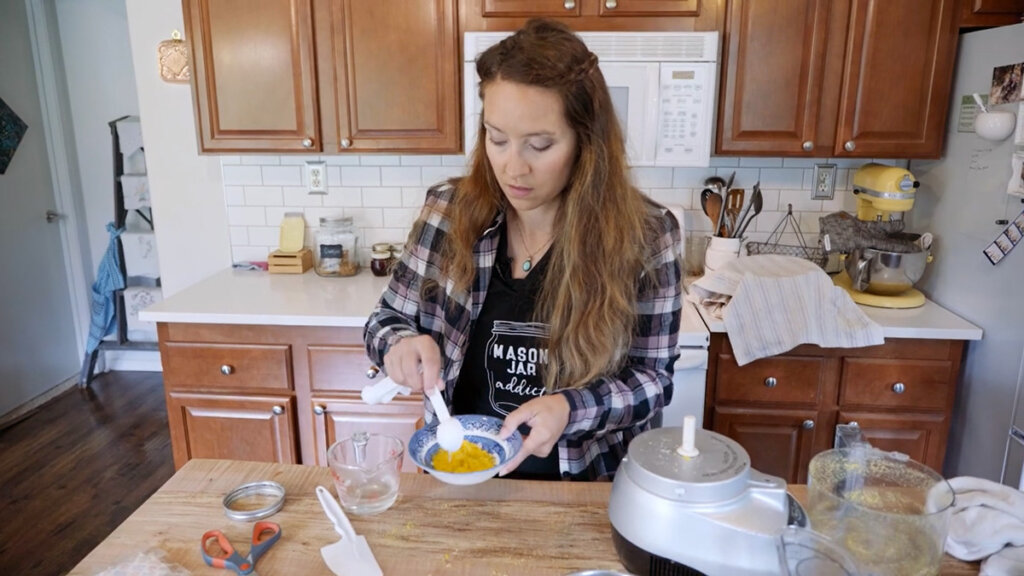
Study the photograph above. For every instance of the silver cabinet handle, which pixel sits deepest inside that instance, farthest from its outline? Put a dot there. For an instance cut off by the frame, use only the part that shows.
(372, 372)
(278, 410)
(569, 4)
(52, 216)
(808, 146)
(771, 382)
(610, 4)
(318, 410)
(850, 146)
(808, 424)
(346, 143)
(227, 369)
(307, 143)
(899, 388)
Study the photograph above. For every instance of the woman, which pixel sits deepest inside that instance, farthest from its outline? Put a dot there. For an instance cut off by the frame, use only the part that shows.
(542, 287)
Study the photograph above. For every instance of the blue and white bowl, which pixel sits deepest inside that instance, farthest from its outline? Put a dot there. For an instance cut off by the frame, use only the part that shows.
(481, 430)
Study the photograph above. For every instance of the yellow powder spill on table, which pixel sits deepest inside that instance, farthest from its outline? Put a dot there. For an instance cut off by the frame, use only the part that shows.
(468, 458)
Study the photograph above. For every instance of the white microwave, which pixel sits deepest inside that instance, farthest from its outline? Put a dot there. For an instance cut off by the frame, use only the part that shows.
(662, 86)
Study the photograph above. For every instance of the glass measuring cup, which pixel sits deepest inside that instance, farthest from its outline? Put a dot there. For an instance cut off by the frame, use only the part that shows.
(365, 468)
(889, 513)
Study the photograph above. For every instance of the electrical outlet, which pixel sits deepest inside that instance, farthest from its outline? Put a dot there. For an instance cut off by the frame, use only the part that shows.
(316, 177)
(824, 182)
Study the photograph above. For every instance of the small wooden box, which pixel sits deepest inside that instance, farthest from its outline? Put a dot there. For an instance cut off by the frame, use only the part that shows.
(290, 262)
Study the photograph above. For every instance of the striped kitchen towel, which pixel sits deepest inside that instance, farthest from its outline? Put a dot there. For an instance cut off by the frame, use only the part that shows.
(776, 303)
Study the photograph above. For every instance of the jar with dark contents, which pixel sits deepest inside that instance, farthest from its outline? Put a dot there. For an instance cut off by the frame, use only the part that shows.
(380, 262)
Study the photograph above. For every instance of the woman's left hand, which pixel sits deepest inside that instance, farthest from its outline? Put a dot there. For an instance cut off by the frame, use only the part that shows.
(547, 416)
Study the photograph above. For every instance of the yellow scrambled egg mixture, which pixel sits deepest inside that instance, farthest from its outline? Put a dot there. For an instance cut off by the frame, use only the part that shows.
(469, 457)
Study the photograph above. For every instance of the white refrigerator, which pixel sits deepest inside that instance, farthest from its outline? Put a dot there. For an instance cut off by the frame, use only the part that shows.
(963, 201)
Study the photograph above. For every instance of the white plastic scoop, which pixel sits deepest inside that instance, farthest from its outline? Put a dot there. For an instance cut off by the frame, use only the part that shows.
(449, 430)
(350, 556)
(384, 391)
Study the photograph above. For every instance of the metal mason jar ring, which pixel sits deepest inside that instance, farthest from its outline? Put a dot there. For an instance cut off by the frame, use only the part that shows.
(266, 488)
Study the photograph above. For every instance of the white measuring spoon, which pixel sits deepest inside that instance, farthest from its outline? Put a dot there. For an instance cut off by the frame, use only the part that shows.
(449, 430)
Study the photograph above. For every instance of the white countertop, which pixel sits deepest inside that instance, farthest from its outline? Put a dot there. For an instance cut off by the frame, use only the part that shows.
(931, 322)
(256, 297)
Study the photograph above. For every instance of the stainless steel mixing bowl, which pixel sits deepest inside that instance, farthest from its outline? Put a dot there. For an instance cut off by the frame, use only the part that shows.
(885, 273)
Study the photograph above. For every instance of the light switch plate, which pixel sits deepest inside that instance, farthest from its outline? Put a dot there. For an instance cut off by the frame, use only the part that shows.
(316, 176)
(824, 182)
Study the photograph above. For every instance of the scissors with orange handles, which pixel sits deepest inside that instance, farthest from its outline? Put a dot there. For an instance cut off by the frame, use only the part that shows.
(224, 555)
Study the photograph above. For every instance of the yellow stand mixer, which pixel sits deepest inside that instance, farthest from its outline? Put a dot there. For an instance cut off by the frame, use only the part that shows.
(885, 263)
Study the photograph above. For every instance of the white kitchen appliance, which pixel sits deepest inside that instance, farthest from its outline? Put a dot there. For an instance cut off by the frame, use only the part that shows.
(696, 507)
(662, 86)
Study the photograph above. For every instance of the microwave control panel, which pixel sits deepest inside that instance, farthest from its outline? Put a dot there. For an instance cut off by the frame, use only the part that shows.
(685, 109)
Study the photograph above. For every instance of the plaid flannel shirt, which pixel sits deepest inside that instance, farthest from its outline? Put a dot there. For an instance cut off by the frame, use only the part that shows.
(604, 414)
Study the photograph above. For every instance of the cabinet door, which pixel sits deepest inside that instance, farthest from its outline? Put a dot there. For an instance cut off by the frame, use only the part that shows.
(920, 436)
(896, 80)
(779, 442)
(531, 8)
(987, 13)
(773, 61)
(232, 427)
(388, 75)
(613, 8)
(253, 80)
(337, 418)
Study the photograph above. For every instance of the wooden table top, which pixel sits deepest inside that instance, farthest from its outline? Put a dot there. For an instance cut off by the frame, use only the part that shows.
(500, 527)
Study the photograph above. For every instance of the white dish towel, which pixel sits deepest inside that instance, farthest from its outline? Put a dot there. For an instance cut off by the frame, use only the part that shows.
(770, 304)
(987, 522)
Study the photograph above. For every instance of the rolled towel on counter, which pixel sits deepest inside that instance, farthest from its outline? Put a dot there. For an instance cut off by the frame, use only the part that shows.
(987, 522)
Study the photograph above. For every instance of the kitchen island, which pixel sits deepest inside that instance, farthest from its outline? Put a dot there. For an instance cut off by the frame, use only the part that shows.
(498, 528)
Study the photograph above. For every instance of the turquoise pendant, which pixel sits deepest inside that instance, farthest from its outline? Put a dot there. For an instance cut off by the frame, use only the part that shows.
(527, 265)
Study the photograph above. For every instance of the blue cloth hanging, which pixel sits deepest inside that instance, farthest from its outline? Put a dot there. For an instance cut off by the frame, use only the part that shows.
(109, 279)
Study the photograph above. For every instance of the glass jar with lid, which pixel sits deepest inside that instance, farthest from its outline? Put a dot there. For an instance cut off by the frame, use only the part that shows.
(380, 262)
(336, 243)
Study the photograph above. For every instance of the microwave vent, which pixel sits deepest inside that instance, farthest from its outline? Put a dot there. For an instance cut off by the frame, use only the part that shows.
(624, 46)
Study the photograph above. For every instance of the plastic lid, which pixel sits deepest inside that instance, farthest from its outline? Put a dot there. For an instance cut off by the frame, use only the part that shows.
(720, 472)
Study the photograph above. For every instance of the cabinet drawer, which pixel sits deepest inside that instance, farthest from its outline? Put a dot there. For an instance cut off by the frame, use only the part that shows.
(780, 379)
(339, 368)
(881, 383)
(226, 366)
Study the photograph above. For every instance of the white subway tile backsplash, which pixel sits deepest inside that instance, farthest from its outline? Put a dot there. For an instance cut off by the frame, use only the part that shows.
(263, 196)
(235, 175)
(759, 162)
(239, 235)
(360, 176)
(300, 196)
(792, 178)
(382, 197)
(252, 160)
(247, 216)
(436, 174)
(343, 196)
(405, 176)
(344, 160)
(421, 160)
(384, 194)
(269, 236)
(234, 196)
(282, 175)
(366, 217)
(380, 160)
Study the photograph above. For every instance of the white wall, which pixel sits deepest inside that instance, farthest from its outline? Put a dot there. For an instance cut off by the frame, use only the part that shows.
(186, 190)
(101, 87)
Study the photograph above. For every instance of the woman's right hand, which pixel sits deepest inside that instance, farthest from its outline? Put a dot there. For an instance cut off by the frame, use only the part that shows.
(414, 362)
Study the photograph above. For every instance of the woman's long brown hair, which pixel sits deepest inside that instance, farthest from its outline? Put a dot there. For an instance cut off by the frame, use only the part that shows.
(602, 228)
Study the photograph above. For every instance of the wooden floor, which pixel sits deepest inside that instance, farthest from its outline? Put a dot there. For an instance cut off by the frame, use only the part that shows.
(76, 468)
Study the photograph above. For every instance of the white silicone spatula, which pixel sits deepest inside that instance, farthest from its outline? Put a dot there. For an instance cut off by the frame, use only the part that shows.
(449, 430)
(350, 556)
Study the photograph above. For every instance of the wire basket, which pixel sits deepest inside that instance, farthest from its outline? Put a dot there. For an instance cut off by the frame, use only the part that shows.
(772, 246)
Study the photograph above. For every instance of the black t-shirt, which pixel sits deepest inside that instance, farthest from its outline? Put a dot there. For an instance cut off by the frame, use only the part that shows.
(506, 354)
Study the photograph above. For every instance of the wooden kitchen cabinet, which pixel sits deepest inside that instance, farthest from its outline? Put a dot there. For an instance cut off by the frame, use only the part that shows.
(595, 15)
(784, 409)
(271, 393)
(990, 13)
(843, 78)
(325, 75)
